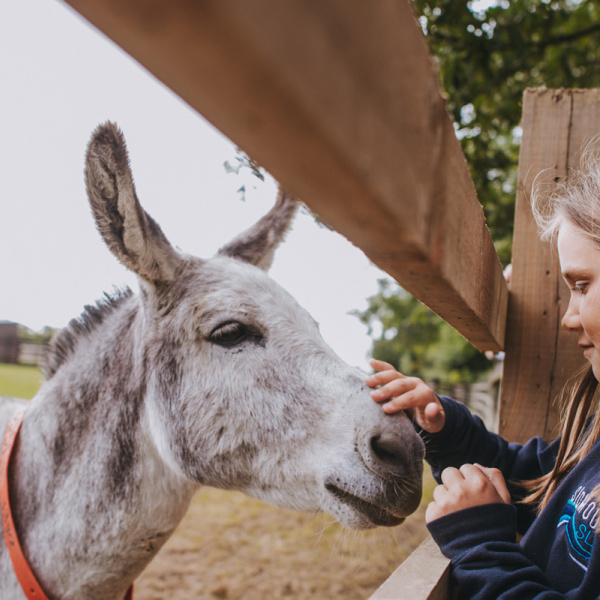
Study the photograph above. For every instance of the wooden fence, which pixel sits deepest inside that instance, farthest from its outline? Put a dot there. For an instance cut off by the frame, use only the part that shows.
(340, 101)
(9, 342)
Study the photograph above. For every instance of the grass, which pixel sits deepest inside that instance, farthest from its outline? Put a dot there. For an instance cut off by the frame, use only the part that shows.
(234, 547)
(20, 381)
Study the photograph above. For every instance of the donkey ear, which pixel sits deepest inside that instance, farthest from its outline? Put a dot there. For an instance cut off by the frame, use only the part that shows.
(257, 245)
(129, 232)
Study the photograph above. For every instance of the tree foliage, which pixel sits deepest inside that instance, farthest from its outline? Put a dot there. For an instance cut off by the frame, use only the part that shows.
(486, 58)
(416, 341)
(42, 338)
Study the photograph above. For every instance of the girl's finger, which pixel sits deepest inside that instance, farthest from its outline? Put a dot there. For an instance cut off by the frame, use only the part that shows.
(432, 412)
(473, 473)
(432, 512)
(497, 480)
(380, 365)
(439, 494)
(396, 405)
(433, 418)
(397, 387)
(451, 476)
(383, 377)
(399, 396)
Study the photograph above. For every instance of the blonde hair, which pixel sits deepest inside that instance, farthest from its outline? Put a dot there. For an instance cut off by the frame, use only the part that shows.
(577, 201)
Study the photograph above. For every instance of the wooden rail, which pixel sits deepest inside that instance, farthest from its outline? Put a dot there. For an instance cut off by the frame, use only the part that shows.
(424, 575)
(340, 101)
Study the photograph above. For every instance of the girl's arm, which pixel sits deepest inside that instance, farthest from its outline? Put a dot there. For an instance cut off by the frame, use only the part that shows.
(470, 517)
(452, 435)
(488, 564)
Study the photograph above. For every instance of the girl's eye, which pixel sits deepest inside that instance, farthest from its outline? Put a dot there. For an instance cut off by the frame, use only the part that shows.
(229, 334)
(580, 288)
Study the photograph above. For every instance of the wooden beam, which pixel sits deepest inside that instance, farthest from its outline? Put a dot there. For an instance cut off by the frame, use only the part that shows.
(340, 101)
(424, 575)
(540, 356)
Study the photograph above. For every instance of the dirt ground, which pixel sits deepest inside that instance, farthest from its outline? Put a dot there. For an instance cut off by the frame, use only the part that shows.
(233, 547)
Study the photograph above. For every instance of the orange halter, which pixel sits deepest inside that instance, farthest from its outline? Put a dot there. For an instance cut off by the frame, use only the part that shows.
(29, 584)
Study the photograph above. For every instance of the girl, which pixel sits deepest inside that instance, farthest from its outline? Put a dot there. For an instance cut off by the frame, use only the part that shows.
(491, 490)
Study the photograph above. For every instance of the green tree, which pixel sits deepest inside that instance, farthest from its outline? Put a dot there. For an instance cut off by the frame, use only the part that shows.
(486, 58)
(418, 342)
(243, 161)
(43, 337)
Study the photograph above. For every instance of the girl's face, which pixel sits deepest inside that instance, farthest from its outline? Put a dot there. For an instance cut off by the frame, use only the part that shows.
(580, 266)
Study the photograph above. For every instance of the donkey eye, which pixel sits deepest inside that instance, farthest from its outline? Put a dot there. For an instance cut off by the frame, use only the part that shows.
(230, 334)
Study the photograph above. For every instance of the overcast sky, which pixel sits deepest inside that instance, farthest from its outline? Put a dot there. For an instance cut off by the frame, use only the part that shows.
(59, 78)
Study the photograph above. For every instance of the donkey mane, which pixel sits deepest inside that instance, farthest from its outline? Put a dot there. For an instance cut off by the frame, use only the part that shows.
(65, 341)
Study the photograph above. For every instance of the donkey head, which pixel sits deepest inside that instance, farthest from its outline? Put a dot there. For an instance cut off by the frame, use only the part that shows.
(242, 392)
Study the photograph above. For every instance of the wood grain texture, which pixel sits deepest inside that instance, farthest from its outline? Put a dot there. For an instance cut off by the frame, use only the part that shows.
(540, 356)
(340, 101)
(424, 575)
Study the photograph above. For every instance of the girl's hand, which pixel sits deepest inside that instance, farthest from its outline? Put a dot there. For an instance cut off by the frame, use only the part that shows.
(472, 485)
(410, 394)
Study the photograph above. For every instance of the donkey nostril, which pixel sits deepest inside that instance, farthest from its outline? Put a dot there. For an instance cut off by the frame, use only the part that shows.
(389, 449)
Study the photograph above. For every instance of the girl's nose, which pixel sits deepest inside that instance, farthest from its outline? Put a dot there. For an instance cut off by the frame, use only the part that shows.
(570, 320)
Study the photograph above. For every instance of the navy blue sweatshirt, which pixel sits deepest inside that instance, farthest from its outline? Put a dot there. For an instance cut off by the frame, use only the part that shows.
(559, 554)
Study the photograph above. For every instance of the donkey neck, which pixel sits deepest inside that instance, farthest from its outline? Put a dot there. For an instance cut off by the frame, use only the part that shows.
(92, 499)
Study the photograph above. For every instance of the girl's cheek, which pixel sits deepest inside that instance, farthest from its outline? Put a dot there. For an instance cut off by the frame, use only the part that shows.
(590, 320)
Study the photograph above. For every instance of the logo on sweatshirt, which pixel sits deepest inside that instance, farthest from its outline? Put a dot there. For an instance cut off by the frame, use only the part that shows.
(580, 518)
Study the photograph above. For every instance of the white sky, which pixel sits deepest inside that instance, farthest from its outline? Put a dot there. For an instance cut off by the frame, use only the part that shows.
(59, 78)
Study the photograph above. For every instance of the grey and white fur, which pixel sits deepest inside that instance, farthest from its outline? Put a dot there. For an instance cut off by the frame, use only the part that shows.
(211, 375)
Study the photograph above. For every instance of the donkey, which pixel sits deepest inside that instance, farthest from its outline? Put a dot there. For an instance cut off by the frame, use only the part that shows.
(211, 375)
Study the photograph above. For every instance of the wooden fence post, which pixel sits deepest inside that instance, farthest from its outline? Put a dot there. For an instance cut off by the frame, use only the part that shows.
(540, 356)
